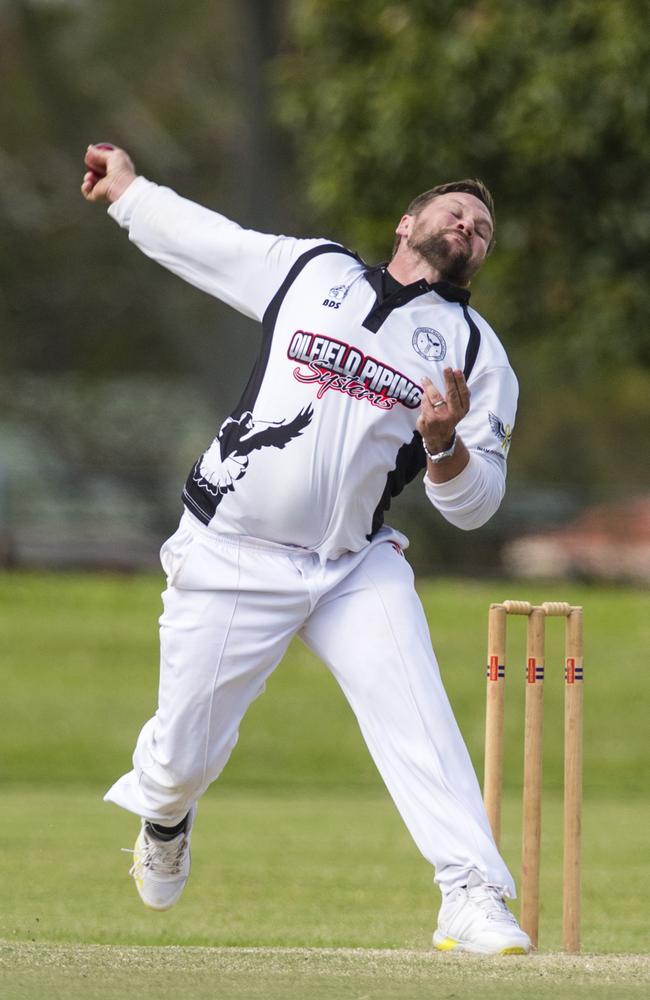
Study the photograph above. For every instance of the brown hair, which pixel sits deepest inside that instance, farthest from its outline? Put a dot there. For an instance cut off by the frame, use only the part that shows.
(470, 186)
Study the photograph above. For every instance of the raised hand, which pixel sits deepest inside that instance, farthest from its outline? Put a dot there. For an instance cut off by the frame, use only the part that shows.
(109, 172)
(440, 413)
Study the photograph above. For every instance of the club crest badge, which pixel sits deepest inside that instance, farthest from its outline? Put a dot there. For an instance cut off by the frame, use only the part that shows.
(429, 344)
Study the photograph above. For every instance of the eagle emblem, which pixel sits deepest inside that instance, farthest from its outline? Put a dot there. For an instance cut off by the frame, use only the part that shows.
(236, 441)
(500, 430)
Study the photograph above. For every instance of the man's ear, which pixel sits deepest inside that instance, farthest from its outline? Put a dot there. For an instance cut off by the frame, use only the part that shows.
(404, 226)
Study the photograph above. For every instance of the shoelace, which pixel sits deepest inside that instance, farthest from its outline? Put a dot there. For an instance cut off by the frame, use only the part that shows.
(488, 898)
(161, 858)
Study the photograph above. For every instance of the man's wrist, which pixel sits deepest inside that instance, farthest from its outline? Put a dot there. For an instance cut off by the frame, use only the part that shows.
(122, 209)
(119, 185)
(441, 454)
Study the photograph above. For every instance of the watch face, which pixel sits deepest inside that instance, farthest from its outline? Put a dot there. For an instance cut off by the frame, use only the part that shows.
(429, 343)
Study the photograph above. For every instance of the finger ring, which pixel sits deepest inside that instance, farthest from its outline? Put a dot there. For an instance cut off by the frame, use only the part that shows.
(441, 402)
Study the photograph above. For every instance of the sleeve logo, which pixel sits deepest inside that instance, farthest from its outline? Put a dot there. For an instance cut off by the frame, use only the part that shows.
(503, 432)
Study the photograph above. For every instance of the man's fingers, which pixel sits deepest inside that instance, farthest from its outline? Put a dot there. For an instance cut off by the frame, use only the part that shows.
(89, 181)
(430, 393)
(454, 381)
(104, 157)
(457, 390)
(456, 394)
(94, 187)
(90, 188)
(96, 158)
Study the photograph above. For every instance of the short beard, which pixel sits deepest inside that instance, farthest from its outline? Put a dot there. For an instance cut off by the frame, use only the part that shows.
(450, 258)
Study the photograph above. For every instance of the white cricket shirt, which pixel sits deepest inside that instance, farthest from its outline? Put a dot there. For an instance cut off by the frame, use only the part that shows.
(324, 434)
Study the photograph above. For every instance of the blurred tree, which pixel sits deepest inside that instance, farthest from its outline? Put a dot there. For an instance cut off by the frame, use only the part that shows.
(108, 365)
(549, 102)
(183, 88)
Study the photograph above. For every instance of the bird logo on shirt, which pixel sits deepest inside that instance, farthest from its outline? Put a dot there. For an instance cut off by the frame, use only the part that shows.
(237, 439)
(502, 431)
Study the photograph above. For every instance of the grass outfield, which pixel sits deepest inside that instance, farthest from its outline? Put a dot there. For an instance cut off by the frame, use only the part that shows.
(311, 870)
(79, 672)
(297, 845)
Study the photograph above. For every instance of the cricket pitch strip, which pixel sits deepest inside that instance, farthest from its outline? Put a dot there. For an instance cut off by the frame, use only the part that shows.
(103, 972)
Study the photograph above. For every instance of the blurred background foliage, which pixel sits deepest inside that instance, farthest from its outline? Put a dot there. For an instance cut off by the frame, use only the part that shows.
(310, 117)
(550, 104)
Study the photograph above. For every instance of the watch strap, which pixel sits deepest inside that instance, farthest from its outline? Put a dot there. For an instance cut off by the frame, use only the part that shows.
(441, 455)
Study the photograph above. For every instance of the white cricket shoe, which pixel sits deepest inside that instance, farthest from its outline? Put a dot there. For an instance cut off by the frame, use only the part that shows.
(161, 868)
(476, 918)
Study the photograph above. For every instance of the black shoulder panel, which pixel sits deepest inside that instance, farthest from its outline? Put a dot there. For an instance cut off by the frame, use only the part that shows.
(473, 344)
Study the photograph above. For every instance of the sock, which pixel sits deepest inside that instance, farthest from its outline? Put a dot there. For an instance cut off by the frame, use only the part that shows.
(167, 832)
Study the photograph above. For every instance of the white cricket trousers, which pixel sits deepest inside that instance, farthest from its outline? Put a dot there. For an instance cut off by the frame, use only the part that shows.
(231, 608)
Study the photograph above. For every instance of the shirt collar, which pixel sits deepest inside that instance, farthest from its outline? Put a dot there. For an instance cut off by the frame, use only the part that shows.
(445, 289)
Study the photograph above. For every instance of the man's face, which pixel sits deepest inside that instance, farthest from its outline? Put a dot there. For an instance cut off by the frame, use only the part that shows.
(452, 234)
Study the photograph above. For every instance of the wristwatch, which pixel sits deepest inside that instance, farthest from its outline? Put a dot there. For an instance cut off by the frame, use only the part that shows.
(445, 453)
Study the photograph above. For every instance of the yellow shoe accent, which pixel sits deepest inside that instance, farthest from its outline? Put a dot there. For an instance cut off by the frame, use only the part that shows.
(447, 944)
(517, 950)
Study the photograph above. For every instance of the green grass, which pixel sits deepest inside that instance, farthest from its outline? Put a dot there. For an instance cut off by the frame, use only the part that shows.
(298, 845)
(279, 869)
(79, 676)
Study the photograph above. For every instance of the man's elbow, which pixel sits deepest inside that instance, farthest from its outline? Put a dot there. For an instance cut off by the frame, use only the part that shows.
(470, 520)
(472, 509)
